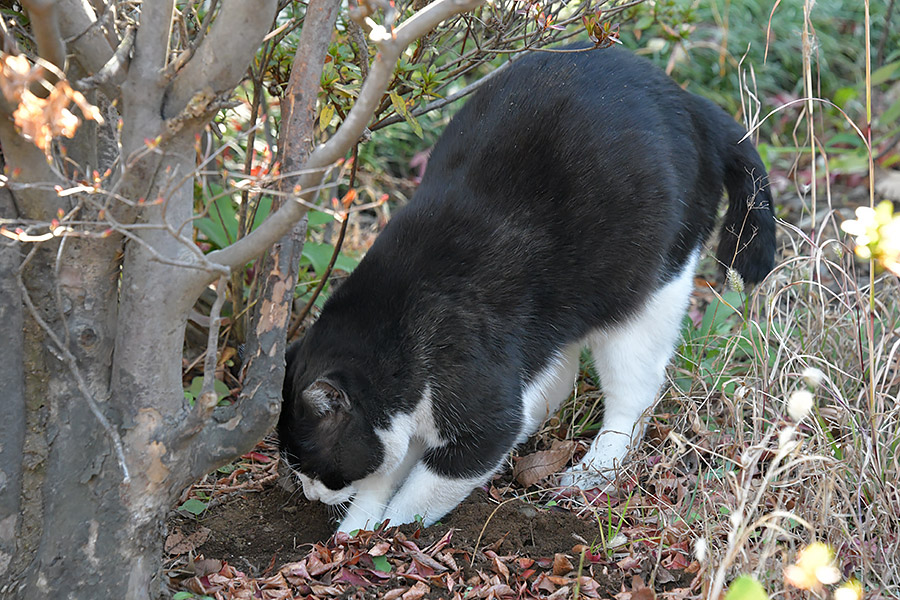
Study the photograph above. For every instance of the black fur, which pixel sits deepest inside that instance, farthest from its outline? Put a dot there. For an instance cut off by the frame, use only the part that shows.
(566, 191)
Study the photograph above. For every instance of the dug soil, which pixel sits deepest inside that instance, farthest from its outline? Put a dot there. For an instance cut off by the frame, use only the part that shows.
(271, 541)
(256, 530)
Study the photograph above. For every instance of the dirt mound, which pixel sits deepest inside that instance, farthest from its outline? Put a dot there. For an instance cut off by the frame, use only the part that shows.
(256, 530)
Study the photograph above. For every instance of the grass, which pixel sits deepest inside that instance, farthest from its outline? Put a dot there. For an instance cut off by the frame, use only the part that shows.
(725, 466)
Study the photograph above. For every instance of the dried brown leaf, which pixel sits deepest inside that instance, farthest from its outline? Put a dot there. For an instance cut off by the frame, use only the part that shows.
(559, 594)
(417, 591)
(532, 468)
(561, 564)
(205, 566)
(395, 593)
(178, 543)
(499, 568)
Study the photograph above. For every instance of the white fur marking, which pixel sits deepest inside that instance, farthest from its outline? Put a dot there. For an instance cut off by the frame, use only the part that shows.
(548, 390)
(631, 361)
(314, 489)
(429, 496)
(404, 444)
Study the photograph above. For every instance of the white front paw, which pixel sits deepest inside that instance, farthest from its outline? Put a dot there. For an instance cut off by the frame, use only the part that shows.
(598, 467)
(359, 518)
(585, 477)
(352, 523)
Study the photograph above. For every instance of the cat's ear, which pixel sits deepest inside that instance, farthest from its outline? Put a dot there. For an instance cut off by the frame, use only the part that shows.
(324, 396)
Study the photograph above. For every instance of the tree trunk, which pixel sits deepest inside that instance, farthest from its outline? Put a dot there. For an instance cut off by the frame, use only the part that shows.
(96, 440)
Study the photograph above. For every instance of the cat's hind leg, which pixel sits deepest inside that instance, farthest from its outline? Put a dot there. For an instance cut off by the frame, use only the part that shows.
(630, 359)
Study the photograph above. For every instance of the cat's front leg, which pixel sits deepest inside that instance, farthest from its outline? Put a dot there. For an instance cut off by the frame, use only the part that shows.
(367, 507)
(429, 495)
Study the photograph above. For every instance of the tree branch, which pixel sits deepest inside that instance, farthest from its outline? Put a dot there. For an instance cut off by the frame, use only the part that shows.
(442, 102)
(44, 17)
(221, 59)
(349, 132)
(113, 71)
(264, 364)
(84, 35)
(151, 45)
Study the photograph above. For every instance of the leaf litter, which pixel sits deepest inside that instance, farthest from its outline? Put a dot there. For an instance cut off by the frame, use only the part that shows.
(257, 540)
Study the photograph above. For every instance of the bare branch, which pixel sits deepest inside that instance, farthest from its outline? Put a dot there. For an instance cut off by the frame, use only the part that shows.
(207, 399)
(221, 60)
(84, 34)
(441, 103)
(44, 17)
(115, 68)
(152, 43)
(349, 132)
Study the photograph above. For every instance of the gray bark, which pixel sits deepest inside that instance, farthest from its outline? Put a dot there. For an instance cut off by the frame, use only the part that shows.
(12, 376)
(97, 442)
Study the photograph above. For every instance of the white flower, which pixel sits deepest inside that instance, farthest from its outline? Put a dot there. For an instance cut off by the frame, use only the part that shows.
(700, 548)
(813, 377)
(799, 404)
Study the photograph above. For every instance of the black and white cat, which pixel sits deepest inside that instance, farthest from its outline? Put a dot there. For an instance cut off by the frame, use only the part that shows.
(564, 207)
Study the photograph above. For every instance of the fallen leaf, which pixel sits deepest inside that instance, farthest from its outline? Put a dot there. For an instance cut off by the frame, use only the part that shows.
(177, 543)
(629, 563)
(416, 592)
(561, 564)
(559, 594)
(395, 593)
(534, 467)
(499, 568)
(206, 566)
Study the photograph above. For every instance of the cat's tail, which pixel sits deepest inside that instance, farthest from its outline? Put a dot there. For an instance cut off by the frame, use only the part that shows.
(747, 239)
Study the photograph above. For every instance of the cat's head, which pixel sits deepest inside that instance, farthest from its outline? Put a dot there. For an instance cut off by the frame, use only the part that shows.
(326, 438)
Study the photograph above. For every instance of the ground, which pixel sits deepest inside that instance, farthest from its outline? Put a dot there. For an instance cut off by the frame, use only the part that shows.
(263, 541)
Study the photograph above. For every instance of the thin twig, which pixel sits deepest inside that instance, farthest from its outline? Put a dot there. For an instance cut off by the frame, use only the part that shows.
(207, 399)
(334, 256)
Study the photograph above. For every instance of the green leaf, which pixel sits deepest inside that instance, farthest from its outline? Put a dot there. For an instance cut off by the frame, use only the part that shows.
(381, 564)
(845, 95)
(262, 211)
(193, 506)
(746, 587)
(221, 389)
(885, 73)
(220, 227)
(317, 218)
(318, 255)
(888, 117)
(400, 106)
(182, 596)
(325, 116)
(196, 386)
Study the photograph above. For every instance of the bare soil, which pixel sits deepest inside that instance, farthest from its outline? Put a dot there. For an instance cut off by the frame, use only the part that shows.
(255, 530)
(258, 532)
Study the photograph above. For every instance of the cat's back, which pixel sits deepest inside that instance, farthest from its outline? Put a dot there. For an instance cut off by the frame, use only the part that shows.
(562, 126)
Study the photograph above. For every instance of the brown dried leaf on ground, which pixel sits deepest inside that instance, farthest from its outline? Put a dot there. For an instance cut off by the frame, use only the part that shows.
(531, 469)
(178, 543)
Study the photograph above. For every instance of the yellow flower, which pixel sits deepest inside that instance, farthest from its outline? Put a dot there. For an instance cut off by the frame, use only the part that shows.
(877, 233)
(852, 590)
(814, 568)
